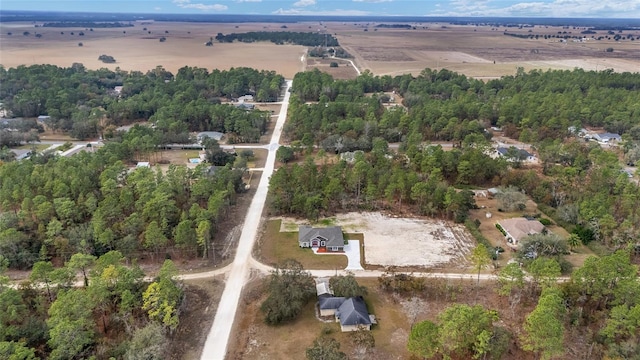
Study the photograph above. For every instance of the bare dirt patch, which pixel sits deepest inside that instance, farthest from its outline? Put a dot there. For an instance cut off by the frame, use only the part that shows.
(344, 70)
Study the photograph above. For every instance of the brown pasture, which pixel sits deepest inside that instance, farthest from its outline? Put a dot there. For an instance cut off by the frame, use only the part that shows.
(472, 50)
(476, 51)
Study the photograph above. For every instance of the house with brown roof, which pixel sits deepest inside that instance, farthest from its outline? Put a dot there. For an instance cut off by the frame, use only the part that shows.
(518, 228)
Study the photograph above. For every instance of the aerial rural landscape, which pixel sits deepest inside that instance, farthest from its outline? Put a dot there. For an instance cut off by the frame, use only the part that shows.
(299, 185)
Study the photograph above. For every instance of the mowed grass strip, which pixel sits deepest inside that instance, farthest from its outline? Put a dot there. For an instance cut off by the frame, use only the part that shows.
(276, 246)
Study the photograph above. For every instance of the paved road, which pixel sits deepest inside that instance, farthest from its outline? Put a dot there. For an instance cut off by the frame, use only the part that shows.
(215, 347)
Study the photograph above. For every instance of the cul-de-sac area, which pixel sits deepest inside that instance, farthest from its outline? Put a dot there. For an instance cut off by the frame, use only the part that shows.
(318, 188)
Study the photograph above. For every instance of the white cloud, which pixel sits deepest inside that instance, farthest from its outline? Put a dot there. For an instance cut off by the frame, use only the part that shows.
(552, 8)
(302, 3)
(247, 1)
(186, 4)
(372, 1)
(336, 12)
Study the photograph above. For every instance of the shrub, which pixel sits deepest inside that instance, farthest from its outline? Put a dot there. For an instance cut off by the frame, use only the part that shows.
(545, 221)
(107, 59)
(499, 227)
(333, 64)
(610, 49)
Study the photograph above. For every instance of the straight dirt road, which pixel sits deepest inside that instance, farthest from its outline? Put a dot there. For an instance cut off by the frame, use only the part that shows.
(215, 347)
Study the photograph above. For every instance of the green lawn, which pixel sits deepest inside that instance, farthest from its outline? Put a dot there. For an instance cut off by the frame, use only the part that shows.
(39, 147)
(276, 246)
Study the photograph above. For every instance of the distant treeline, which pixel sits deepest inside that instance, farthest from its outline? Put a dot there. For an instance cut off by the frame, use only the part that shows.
(394, 26)
(281, 37)
(565, 35)
(86, 24)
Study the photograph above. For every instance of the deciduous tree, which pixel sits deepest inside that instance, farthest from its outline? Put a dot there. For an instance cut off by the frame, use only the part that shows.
(290, 288)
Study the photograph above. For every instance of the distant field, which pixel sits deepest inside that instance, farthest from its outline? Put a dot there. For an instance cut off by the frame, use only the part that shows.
(480, 51)
(136, 49)
(477, 51)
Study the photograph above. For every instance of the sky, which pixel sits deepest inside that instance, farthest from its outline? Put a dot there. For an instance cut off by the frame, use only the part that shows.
(629, 9)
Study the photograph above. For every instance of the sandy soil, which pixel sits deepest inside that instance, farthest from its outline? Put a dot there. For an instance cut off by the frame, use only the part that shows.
(393, 241)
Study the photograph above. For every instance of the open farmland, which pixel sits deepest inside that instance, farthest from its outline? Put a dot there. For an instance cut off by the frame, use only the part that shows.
(136, 49)
(472, 50)
(477, 51)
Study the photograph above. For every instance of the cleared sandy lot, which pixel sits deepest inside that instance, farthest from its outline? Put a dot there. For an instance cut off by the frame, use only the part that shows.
(393, 241)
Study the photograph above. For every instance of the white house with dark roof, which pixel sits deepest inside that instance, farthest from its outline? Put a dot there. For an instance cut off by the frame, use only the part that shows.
(328, 305)
(353, 315)
(329, 238)
(522, 154)
(607, 138)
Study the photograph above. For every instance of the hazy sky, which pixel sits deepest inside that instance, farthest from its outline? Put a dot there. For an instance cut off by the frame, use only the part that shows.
(531, 8)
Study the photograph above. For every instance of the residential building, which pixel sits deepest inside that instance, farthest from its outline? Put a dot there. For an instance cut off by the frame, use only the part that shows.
(518, 228)
(327, 239)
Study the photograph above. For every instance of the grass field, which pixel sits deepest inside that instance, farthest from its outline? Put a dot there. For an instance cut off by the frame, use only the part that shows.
(274, 247)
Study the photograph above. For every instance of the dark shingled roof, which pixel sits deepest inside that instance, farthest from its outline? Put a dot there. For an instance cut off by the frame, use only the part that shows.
(353, 312)
(326, 303)
(332, 235)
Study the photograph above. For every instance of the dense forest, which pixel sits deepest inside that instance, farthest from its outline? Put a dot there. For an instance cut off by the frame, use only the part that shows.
(421, 182)
(91, 203)
(281, 37)
(84, 103)
(443, 105)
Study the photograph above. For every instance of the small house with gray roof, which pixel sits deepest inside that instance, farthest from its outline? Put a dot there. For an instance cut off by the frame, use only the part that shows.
(328, 305)
(353, 315)
(329, 239)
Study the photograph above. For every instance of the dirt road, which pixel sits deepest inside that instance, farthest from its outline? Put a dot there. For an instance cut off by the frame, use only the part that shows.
(215, 348)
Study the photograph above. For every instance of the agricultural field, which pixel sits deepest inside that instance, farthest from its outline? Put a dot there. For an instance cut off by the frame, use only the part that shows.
(476, 51)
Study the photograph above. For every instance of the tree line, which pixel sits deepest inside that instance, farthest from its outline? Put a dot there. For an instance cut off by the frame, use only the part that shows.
(281, 37)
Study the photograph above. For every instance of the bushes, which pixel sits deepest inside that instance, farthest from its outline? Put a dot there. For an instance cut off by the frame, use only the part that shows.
(499, 227)
(545, 222)
(473, 229)
(107, 59)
